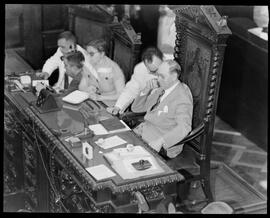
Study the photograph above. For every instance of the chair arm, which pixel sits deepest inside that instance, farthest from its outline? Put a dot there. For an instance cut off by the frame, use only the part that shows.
(131, 115)
(132, 119)
(193, 134)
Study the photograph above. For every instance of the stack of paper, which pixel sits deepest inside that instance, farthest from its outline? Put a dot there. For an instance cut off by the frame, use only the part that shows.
(76, 97)
(111, 142)
(99, 129)
(100, 172)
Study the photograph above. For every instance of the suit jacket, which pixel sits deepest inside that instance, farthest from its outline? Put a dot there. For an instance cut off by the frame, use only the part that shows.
(171, 119)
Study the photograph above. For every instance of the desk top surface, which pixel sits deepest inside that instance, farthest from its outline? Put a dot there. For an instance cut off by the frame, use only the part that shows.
(73, 122)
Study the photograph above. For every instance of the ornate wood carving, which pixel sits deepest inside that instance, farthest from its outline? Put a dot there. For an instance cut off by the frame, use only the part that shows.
(200, 44)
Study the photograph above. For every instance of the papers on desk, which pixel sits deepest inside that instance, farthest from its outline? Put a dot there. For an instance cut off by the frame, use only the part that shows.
(121, 161)
(258, 31)
(111, 142)
(42, 81)
(76, 97)
(99, 129)
(100, 172)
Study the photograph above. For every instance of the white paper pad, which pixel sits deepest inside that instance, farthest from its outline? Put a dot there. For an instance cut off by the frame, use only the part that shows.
(112, 142)
(42, 81)
(100, 172)
(258, 32)
(99, 129)
(76, 97)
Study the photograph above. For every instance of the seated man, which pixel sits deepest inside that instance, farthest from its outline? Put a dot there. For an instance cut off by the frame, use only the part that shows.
(66, 42)
(168, 109)
(143, 72)
(74, 65)
(110, 76)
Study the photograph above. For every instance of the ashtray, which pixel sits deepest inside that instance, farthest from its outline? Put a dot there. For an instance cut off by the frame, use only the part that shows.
(142, 165)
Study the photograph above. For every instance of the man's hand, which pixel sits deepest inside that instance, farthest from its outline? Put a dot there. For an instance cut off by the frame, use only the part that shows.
(43, 75)
(157, 144)
(92, 89)
(94, 96)
(113, 110)
(150, 85)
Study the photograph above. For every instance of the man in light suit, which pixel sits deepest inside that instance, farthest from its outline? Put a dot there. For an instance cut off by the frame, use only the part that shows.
(66, 43)
(169, 105)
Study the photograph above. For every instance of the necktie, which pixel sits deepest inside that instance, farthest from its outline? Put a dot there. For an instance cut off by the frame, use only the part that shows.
(158, 100)
(66, 82)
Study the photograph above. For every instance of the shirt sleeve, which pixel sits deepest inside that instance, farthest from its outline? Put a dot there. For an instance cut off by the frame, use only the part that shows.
(130, 92)
(52, 63)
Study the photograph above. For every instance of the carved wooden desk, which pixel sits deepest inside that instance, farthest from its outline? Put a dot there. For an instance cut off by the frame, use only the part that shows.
(65, 185)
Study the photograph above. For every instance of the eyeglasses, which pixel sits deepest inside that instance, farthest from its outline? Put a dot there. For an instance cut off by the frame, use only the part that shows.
(153, 71)
(92, 53)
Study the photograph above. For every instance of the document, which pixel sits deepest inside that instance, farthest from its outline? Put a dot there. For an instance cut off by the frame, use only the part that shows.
(100, 172)
(99, 129)
(121, 161)
(76, 97)
(111, 142)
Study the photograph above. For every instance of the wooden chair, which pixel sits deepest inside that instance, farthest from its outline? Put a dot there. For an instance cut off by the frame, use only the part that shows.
(200, 45)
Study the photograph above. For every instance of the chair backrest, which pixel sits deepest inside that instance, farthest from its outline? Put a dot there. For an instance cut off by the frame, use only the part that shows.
(200, 44)
(90, 22)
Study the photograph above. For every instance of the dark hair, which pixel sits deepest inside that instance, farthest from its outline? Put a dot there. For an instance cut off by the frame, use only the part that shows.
(99, 44)
(75, 58)
(67, 35)
(149, 52)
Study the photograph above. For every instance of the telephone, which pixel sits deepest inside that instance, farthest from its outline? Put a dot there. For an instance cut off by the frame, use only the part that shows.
(46, 102)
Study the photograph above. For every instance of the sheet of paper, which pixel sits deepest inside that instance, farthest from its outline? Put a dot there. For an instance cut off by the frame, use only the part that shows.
(98, 129)
(43, 81)
(112, 142)
(76, 97)
(137, 151)
(100, 172)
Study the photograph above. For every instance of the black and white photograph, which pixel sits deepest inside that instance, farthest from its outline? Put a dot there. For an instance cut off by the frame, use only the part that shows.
(135, 109)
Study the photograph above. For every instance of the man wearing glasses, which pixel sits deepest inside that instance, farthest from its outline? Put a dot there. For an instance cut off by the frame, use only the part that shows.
(144, 73)
(66, 42)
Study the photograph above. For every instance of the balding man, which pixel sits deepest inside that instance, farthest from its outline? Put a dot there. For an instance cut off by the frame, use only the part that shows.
(169, 105)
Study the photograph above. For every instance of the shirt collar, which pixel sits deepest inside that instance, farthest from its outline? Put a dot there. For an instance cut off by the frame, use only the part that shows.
(169, 90)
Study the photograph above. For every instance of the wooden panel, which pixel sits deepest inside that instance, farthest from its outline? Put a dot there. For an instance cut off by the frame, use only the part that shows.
(14, 63)
(93, 22)
(243, 91)
(14, 26)
(86, 30)
(32, 35)
(197, 68)
(54, 16)
(54, 21)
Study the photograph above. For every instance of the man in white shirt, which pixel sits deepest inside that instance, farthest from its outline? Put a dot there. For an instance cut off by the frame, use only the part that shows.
(169, 107)
(66, 42)
(143, 72)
